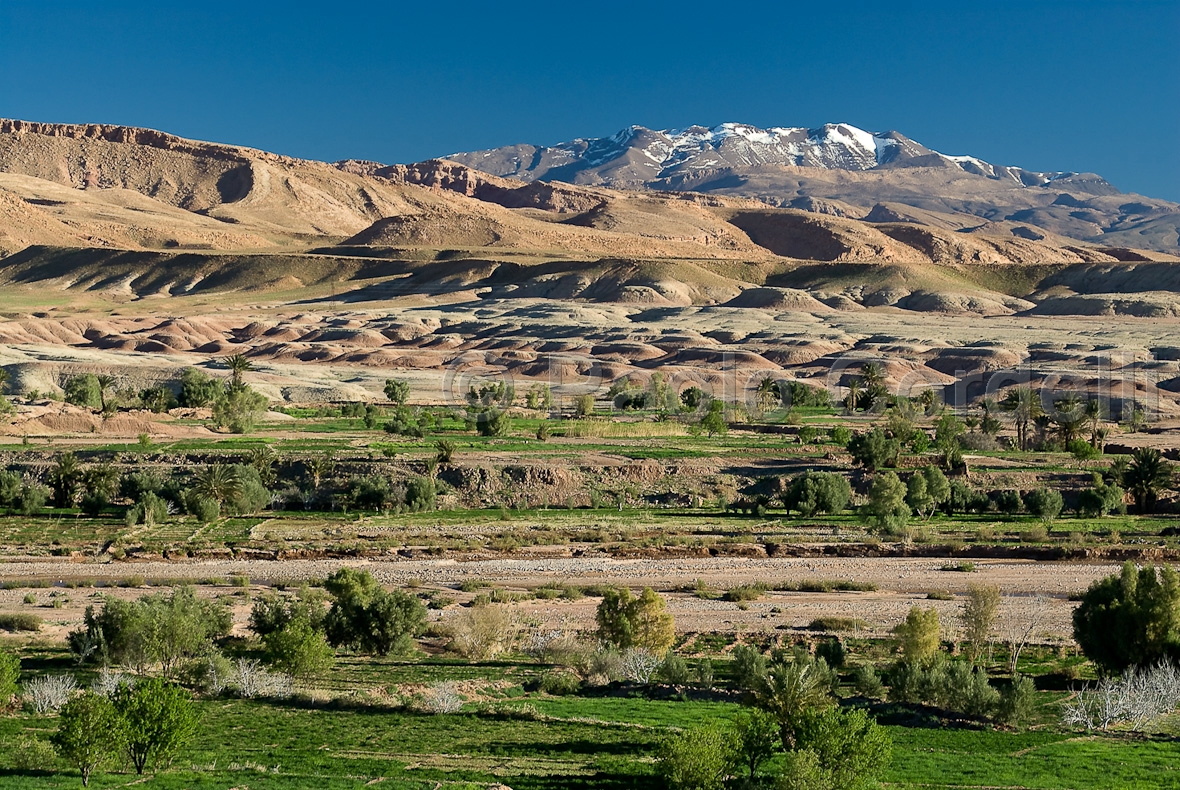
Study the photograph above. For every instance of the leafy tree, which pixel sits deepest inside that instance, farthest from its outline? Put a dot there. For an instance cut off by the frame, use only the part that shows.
(540, 396)
(1101, 498)
(1147, 475)
(158, 399)
(397, 391)
(1131, 619)
(89, 733)
(874, 449)
(1045, 503)
(697, 759)
(158, 719)
(1009, 501)
(887, 508)
(757, 740)
(714, 423)
(817, 492)
(852, 749)
(198, 388)
(366, 618)
(238, 409)
(83, 391)
(691, 398)
(492, 422)
(979, 616)
(749, 667)
(628, 622)
(938, 488)
(919, 636)
(274, 612)
(917, 497)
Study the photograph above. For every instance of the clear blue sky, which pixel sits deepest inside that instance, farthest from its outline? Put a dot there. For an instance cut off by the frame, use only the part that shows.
(1071, 85)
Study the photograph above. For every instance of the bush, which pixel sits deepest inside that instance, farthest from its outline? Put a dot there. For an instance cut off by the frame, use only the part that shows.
(817, 492)
(20, 622)
(584, 405)
(1082, 450)
(850, 747)
(442, 698)
(919, 636)
(1102, 498)
(83, 391)
(238, 409)
(49, 693)
(560, 684)
(152, 631)
(627, 622)
(867, 682)
(697, 759)
(198, 388)
(874, 450)
(9, 677)
(481, 632)
(1045, 503)
(832, 652)
(674, 671)
(749, 667)
(368, 619)
(1008, 502)
(420, 494)
(298, 649)
(1017, 702)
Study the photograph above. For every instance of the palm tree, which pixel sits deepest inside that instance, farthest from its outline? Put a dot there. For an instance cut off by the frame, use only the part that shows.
(1069, 419)
(1096, 413)
(3, 381)
(237, 364)
(1024, 406)
(854, 390)
(319, 467)
(927, 398)
(1147, 475)
(788, 691)
(105, 382)
(217, 482)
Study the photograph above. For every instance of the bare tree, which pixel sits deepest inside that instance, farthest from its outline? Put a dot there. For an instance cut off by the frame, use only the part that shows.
(1020, 627)
(1137, 698)
(639, 665)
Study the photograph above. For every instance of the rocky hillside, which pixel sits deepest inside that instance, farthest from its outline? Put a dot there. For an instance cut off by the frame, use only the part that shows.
(841, 169)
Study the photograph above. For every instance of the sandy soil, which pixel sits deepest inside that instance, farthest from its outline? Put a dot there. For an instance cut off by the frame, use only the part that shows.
(1029, 588)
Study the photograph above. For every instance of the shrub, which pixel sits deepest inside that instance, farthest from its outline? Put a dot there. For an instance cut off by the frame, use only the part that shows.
(20, 622)
(298, 649)
(368, 619)
(674, 671)
(560, 684)
(481, 632)
(1045, 503)
(83, 391)
(642, 622)
(749, 667)
(1017, 702)
(850, 747)
(1008, 502)
(697, 759)
(919, 636)
(745, 592)
(154, 630)
(253, 680)
(874, 450)
(817, 492)
(49, 692)
(867, 682)
(584, 405)
(832, 652)
(9, 677)
(420, 494)
(1101, 498)
(198, 388)
(442, 698)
